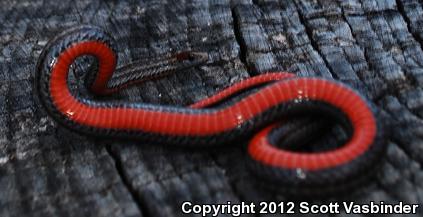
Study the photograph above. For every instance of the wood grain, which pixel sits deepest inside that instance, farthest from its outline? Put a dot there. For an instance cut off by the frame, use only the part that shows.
(46, 170)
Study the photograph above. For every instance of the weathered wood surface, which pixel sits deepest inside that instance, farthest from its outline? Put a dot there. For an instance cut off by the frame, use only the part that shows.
(46, 170)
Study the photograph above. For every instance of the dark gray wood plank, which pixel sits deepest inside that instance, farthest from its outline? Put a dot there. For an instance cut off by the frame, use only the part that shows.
(45, 170)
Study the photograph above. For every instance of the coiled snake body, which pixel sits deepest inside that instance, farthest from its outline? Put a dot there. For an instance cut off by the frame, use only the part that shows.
(202, 124)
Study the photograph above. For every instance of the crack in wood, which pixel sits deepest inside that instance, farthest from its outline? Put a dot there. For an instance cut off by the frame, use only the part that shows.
(126, 182)
(313, 43)
(402, 12)
(238, 36)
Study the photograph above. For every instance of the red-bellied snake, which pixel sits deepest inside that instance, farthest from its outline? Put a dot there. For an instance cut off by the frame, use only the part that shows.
(275, 95)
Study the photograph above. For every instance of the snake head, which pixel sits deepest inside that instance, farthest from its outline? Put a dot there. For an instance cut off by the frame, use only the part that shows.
(198, 57)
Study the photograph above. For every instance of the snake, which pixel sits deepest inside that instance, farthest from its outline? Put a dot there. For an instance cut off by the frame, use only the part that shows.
(254, 108)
